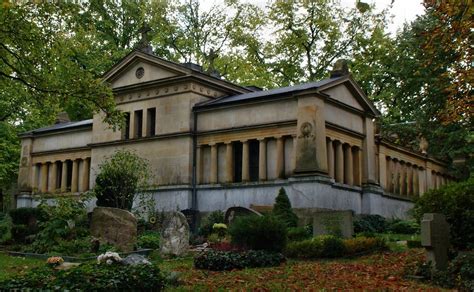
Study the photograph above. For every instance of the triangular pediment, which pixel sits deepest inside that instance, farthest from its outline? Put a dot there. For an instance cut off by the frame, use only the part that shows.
(348, 92)
(138, 67)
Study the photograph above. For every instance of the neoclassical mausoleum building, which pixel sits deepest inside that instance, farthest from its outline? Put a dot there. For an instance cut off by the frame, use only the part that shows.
(213, 144)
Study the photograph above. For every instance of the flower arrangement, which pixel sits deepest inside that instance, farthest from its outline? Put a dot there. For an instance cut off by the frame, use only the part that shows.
(109, 258)
(220, 229)
(54, 261)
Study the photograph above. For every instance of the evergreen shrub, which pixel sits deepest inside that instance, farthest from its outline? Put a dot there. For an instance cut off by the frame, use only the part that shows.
(370, 224)
(259, 233)
(229, 260)
(282, 209)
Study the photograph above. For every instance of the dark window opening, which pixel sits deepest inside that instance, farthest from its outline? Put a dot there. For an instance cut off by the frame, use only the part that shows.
(126, 127)
(69, 175)
(253, 156)
(138, 124)
(237, 147)
(151, 120)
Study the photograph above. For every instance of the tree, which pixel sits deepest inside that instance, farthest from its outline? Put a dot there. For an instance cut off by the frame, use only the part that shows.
(282, 209)
(120, 179)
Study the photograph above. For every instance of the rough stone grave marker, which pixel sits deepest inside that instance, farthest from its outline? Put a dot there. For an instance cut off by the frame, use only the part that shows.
(175, 234)
(114, 226)
(338, 223)
(435, 239)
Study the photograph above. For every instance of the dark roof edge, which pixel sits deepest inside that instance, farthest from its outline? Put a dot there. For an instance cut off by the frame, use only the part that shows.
(57, 128)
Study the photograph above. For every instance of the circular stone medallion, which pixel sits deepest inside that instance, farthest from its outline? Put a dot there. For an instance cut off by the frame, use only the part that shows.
(140, 72)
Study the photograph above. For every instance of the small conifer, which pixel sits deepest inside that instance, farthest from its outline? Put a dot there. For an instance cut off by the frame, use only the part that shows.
(282, 209)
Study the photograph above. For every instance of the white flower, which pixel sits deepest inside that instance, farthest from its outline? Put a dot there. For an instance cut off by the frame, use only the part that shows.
(109, 258)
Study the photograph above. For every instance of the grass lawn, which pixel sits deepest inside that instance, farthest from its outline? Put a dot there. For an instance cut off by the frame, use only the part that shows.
(377, 271)
(14, 265)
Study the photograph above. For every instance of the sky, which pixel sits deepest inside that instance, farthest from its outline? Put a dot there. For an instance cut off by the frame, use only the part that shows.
(402, 10)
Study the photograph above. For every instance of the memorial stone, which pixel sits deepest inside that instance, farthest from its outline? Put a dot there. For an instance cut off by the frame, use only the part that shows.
(435, 239)
(338, 223)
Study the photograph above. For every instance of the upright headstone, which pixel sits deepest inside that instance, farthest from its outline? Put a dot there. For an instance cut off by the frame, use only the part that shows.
(192, 216)
(234, 212)
(338, 223)
(435, 239)
(174, 234)
(114, 226)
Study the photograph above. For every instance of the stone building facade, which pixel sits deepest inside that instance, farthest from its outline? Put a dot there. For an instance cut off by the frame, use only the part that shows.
(213, 144)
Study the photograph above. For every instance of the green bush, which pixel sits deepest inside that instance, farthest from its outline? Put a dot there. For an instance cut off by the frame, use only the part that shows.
(149, 239)
(259, 233)
(25, 216)
(208, 222)
(325, 246)
(5, 229)
(282, 209)
(229, 260)
(300, 233)
(403, 227)
(370, 224)
(120, 178)
(359, 245)
(456, 202)
(89, 277)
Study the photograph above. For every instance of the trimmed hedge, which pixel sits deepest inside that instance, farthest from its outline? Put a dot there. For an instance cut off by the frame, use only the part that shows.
(370, 224)
(229, 260)
(89, 277)
(329, 246)
(259, 233)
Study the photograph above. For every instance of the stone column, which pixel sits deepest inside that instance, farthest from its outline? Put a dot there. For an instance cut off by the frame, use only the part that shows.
(421, 181)
(388, 174)
(144, 122)
(229, 165)
(85, 175)
(245, 161)
(44, 177)
(348, 167)
(403, 178)
(409, 180)
(34, 178)
(213, 178)
(330, 151)
(396, 177)
(75, 175)
(368, 148)
(356, 155)
(52, 177)
(280, 159)
(199, 164)
(339, 162)
(64, 177)
(293, 165)
(262, 159)
(132, 125)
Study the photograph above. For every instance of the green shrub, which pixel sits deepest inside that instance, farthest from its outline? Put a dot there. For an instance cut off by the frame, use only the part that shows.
(149, 239)
(403, 227)
(89, 277)
(229, 260)
(208, 222)
(370, 224)
(358, 245)
(282, 209)
(120, 178)
(5, 229)
(456, 202)
(259, 233)
(324, 246)
(300, 233)
(20, 233)
(26, 216)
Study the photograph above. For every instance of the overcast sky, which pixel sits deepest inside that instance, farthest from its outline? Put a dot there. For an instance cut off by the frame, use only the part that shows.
(403, 10)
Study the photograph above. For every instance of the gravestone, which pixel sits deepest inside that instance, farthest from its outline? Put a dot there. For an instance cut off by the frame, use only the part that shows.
(435, 239)
(192, 216)
(114, 226)
(174, 234)
(233, 212)
(338, 223)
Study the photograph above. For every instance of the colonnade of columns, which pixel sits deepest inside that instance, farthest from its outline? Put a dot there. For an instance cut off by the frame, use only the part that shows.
(228, 170)
(403, 178)
(438, 180)
(71, 175)
(344, 162)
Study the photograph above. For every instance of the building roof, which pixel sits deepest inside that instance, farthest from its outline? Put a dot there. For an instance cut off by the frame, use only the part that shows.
(266, 93)
(59, 127)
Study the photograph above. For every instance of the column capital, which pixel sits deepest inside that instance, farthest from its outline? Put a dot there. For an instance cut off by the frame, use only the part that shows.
(261, 139)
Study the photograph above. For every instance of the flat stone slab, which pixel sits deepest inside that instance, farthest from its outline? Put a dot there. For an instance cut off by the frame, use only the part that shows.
(338, 223)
